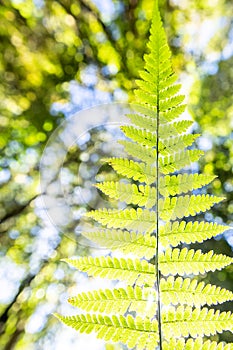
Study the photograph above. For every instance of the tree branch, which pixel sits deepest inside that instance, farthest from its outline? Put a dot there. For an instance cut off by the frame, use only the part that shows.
(18, 210)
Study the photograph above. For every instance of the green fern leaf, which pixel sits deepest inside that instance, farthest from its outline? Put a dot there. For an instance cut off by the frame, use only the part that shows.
(139, 220)
(184, 262)
(151, 88)
(182, 183)
(185, 321)
(133, 170)
(170, 103)
(118, 301)
(177, 161)
(143, 196)
(153, 310)
(142, 96)
(132, 271)
(175, 144)
(164, 85)
(172, 114)
(143, 300)
(145, 138)
(132, 332)
(184, 206)
(190, 292)
(142, 120)
(174, 234)
(198, 344)
(175, 128)
(140, 152)
(142, 246)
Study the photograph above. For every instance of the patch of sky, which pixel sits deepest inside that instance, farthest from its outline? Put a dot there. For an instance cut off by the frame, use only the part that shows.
(228, 49)
(108, 9)
(89, 76)
(229, 237)
(84, 97)
(5, 176)
(115, 31)
(200, 45)
(37, 320)
(10, 275)
(67, 338)
(81, 97)
(206, 31)
(204, 143)
(39, 3)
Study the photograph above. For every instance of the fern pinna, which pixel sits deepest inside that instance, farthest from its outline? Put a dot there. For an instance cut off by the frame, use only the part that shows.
(162, 304)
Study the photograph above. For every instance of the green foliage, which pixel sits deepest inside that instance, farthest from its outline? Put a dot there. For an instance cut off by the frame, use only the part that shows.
(157, 94)
(44, 45)
(131, 270)
(128, 330)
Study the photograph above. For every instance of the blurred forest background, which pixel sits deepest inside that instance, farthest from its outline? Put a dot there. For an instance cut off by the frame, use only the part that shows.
(56, 58)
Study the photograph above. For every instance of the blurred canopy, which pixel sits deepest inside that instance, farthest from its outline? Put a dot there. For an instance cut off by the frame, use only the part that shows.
(47, 47)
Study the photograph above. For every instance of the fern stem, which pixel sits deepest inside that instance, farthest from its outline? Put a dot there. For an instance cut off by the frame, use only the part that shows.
(157, 208)
(157, 237)
(157, 224)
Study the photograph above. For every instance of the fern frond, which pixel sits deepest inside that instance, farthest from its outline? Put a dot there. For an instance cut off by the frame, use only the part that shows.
(162, 145)
(133, 271)
(184, 262)
(143, 196)
(141, 120)
(146, 195)
(142, 136)
(151, 88)
(172, 114)
(118, 301)
(143, 153)
(142, 246)
(175, 128)
(142, 96)
(168, 98)
(139, 220)
(173, 144)
(179, 160)
(143, 300)
(198, 344)
(133, 170)
(191, 232)
(184, 206)
(190, 292)
(157, 73)
(170, 103)
(169, 91)
(182, 183)
(185, 321)
(132, 332)
(145, 76)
